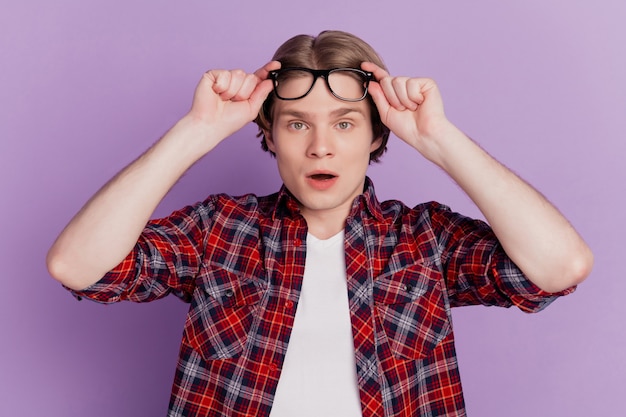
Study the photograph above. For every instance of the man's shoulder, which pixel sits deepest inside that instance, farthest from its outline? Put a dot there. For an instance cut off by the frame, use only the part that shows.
(397, 209)
(245, 203)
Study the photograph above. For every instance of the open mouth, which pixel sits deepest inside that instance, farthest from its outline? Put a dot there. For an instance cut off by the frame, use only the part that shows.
(322, 177)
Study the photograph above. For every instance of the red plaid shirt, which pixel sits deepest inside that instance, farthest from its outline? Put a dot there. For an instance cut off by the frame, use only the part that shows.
(239, 262)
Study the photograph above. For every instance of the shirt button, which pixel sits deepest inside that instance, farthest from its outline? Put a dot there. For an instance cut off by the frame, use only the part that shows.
(288, 304)
(273, 367)
(229, 293)
(297, 242)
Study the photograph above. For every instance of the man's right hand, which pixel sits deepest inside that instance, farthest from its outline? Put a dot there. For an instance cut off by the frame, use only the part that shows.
(226, 100)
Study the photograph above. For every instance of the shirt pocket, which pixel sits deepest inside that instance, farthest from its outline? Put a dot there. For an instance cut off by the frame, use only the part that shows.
(221, 314)
(411, 308)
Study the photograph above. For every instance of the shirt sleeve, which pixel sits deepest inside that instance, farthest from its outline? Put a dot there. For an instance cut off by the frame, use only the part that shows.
(166, 259)
(476, 268)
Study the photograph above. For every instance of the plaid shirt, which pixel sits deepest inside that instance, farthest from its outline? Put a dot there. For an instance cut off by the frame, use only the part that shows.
(240, 261)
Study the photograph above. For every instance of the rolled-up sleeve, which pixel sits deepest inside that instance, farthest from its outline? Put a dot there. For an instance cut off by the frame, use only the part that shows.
(165, 260)
(478, 270)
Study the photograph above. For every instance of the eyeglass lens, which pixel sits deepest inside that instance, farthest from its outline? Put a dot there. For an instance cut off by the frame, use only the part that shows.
(346, 84)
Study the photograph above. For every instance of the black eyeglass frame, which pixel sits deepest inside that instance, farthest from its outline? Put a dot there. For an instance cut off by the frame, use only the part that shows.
(367, 77)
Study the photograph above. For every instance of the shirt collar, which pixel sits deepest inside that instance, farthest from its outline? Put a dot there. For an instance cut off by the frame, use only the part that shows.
(287, 205)
(367, 202)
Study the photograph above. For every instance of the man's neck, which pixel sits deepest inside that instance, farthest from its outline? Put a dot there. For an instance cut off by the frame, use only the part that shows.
(326, 224)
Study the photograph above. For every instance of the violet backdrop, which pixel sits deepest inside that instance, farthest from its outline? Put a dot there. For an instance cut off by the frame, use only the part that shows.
(85, 86)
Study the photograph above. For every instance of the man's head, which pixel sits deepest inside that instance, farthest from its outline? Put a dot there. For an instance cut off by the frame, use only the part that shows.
(329, 50)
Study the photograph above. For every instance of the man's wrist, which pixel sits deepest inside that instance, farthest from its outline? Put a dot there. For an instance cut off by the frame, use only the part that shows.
(190, 139)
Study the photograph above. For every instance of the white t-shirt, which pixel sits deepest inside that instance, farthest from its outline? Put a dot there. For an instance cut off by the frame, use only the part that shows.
(319, 373)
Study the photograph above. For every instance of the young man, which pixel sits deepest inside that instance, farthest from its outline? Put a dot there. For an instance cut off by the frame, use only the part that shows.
(319, 300)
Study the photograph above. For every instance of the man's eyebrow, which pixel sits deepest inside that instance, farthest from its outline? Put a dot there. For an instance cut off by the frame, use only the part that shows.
(335, 113)
(293, 113)
(346, 110)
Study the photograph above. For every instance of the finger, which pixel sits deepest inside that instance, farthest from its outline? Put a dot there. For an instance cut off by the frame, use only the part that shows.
(253, 80)
(386, 82)
(400, 87)
(264, 85)
(414, 91)
(237, 78)
(246, 88)
(263, 72)
(388, 88)
(378, 72)
(422, 88)
(220, 80)
(380, 100)
(260, 93)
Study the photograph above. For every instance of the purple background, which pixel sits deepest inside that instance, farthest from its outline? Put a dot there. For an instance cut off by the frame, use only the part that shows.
(85, 86)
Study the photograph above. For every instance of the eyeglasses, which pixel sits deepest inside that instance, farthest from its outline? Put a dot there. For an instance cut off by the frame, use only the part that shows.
(348, 84)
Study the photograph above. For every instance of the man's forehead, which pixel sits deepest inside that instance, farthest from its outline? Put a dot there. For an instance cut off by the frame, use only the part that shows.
(300, 109)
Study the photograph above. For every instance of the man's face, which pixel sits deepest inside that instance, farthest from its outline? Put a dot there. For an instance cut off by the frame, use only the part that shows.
(322, 146)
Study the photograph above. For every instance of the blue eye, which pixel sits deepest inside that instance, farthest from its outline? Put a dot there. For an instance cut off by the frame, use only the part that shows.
(344, 125)
(297, 125)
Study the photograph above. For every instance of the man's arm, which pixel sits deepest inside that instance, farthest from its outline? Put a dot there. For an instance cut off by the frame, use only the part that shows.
(105, 230)
(533, 233)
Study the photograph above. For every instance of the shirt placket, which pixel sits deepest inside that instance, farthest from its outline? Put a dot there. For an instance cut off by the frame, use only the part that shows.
(361, 316)
(285, 287)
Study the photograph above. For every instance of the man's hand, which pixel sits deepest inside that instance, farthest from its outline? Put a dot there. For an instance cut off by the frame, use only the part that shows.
(225, 100)
(411, 107)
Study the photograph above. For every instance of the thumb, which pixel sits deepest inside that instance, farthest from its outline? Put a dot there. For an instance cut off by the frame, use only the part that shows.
(383, 106)
(260, 93)
(263, 88)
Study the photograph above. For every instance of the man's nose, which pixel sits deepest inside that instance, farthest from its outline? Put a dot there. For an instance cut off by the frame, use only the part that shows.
(320, 144)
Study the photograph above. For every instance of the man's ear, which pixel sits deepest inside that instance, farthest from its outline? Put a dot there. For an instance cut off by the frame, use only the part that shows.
(269, 140)
(376, 143)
